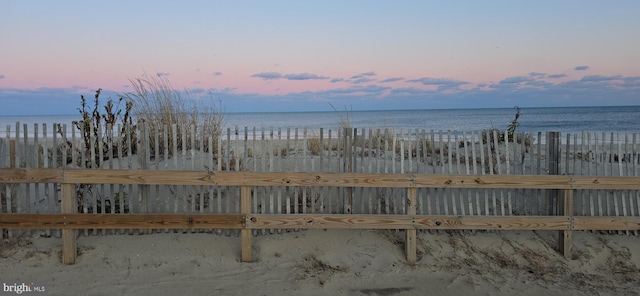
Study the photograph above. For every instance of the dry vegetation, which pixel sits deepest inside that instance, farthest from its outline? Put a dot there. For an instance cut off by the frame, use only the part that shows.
(169, 114)
(154, 114)
(155, 111)
(314, 268)
(98, 133)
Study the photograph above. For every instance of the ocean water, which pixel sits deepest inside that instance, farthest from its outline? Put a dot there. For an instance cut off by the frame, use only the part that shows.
(619, 119)
(566, 120)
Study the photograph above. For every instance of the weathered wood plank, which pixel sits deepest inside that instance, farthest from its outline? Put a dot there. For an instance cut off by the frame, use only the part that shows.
(68, 206)
(408, 222)
(565, 237)
(31, 176)
(493, 222)
(109, 221)
(606, 223)
(253, 221)
(236, 178)
(329, 221)
(490, 181)
(245, 208)
(140, 177)
(309, 179)
(321, 179)
(350, 179)
(410, 243)
(175, 177)
(610, 183)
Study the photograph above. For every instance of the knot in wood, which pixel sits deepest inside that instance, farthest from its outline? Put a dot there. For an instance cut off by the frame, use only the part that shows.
(448, 182)
(253, 219)
(438, 223)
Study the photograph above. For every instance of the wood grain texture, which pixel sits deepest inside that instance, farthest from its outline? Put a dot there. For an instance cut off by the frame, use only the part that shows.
(411, 239)
(115, 221)
(493, 223)
(611, 183)
(68, 207)
(492, 181)
(409, 222)
(142, 177)
(245, 208)
(606, 223)
(329, 221)
(245, 178)
(565, 237)
(31, 176)
(253, 221)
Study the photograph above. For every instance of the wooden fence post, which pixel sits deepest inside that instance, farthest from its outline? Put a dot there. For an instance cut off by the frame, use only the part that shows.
(68, 206)
(411, 233)
(349, 143)
(565, 237)
(245, 209)
(143, 162)
(12, 153)
(553, 166)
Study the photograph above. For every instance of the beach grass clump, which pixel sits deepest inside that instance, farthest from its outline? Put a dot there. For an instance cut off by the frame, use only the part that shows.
(183, 114)
(313, 144)
(344, 118)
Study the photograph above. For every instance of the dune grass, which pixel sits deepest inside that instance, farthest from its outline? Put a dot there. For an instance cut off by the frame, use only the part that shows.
(158, 105)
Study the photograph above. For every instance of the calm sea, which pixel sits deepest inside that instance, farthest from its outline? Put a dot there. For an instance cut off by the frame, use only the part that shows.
(622, 119)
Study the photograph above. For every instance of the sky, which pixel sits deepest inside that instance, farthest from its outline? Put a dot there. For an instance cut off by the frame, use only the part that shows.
(262, 56)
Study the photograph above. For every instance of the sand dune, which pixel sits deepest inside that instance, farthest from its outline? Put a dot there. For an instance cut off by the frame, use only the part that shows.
(331, 262)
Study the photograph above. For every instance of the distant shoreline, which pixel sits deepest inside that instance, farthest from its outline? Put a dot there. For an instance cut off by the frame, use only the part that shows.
(355, 110)
(574, 120)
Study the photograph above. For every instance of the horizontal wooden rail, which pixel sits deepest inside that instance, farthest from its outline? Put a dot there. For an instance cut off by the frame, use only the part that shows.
(69, 220)
(313, 221)
(606, 223)
(13, 176)
(161, 177)
(117, 221)
(409, 222)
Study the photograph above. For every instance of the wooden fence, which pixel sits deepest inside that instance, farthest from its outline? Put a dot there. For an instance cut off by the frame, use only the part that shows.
(353, 151)
(69, 220)
(368, 151)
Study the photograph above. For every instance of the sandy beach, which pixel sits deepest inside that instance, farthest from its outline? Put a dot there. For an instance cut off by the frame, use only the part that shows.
(328, 262)
(319, 262)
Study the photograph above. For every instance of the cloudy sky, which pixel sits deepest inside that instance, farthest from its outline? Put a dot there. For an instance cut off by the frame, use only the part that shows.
(305, 55)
